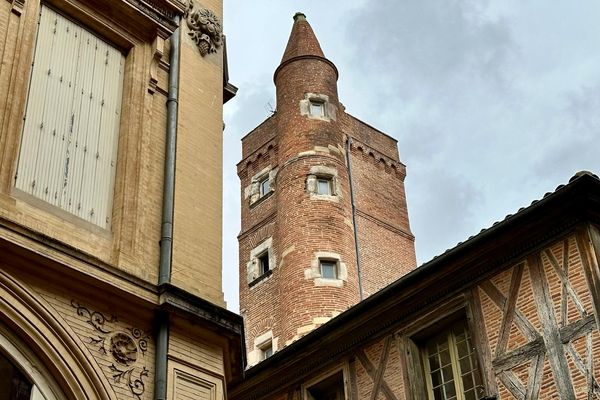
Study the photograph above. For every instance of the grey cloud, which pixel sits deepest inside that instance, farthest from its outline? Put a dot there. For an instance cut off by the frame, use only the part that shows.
(444, 206)
(430, 40)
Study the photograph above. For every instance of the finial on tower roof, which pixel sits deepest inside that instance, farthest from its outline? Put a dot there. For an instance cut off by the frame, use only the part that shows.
(299, 17)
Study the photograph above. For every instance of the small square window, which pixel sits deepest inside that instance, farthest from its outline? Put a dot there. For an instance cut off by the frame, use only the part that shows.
(264, 186)
(329, 269)
(325, 186)
(317, 108)
(263, 263)
(266, 351)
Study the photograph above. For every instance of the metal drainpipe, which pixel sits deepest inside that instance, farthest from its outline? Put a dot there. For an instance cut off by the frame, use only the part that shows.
(356, 247)
(166, 239)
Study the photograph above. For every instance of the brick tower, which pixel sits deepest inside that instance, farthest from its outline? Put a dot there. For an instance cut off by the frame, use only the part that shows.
(311, 176)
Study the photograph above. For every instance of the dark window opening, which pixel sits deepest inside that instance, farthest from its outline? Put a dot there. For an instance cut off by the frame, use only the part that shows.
(13, 383)
(263, 263)
(330, 388)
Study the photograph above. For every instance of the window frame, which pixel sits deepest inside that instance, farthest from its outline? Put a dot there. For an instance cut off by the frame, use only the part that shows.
(255, 192)
(266, 350)
(342, 369)
(264, 181)
(313, 101)
(460, 307)
(328, 180)
(264, 265)
(37, 201)
(329, 262)
(254, 272)
(322, 173)
(68, 230)
(457, 373)
(317, 104)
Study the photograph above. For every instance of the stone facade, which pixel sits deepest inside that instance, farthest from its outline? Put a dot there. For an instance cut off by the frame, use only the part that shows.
(82, 303)
(308, 150)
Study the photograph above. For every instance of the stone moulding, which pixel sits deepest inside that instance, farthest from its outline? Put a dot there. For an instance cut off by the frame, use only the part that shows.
(205, 28)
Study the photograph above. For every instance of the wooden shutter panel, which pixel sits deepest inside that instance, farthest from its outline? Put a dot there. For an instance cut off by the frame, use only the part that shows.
(70, 135)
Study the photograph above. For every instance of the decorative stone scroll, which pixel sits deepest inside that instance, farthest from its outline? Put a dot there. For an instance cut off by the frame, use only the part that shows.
(124, 346)
(205, 28)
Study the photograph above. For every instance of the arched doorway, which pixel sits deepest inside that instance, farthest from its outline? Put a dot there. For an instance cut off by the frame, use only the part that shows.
(22, 376)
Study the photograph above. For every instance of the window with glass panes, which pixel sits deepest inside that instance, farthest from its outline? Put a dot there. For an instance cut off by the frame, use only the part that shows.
(450, 365)
(328, 269)
(317, 108)
(265, 186)
(325, 186)
(267, 350)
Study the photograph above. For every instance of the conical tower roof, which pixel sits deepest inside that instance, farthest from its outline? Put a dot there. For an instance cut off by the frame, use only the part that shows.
(302, 41)
(302, 44)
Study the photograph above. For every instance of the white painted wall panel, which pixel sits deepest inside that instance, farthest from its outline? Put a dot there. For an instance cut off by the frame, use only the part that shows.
(70, 135)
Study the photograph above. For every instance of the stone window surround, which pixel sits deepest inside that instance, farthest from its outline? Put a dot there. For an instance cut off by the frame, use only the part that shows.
(253, 266)
(329, 110)
(253, 191)
(260, 342)
(319, 172)
(314, 272)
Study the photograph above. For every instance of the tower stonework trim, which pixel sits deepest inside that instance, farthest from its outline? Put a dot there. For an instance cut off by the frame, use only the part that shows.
(302, 149)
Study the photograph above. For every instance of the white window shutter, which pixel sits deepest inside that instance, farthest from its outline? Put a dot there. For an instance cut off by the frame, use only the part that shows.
(70, 135)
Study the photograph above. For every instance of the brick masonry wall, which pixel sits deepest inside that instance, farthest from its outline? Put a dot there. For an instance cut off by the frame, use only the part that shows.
(386, 254)
(293, 300)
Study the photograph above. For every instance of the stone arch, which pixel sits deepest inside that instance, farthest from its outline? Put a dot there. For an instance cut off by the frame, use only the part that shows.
(26, 316)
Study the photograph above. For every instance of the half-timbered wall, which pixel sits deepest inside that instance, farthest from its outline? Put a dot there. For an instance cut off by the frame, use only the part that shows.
(541, 327)
(533, 325)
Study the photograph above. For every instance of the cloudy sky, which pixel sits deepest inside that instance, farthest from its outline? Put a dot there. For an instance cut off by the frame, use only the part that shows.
(493, 103)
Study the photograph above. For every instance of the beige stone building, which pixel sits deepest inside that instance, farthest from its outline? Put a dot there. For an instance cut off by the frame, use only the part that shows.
(110, 250)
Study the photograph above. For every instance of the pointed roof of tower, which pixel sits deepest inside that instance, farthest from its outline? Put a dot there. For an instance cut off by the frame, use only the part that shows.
(302, 43)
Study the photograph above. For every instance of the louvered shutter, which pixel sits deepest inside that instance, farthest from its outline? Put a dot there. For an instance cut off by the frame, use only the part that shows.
(69, 143)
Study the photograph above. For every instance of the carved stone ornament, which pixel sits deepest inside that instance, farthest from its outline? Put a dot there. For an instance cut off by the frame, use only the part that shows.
(123, 346)
(205, 28)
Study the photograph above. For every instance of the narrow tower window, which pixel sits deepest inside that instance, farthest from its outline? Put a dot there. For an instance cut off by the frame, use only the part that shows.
(317, 108)
(263, 263)
(266, 350)
(325, 186)
(329, 269)
(265, 186)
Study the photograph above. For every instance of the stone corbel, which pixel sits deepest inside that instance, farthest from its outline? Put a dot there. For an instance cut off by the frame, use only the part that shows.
(205, 28)
(17, 6)
(159, 50)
